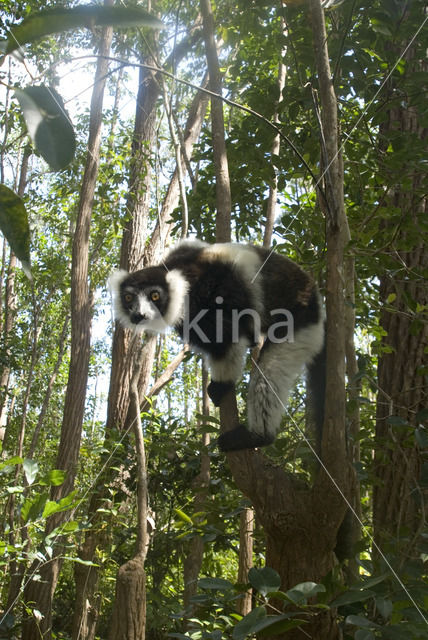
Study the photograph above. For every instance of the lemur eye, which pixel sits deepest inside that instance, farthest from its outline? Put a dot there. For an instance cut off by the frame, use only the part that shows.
(128, 297)
(155, 295)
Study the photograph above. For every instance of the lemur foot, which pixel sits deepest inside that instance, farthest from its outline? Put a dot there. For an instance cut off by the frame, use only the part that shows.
(217, 390)
(240, 438)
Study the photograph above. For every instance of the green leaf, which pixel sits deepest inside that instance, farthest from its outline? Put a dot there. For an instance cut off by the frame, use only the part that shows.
(55, 477)
(48, 125)
(371, 582)
(48, 21)
(246, 625)
(215, 583)
(7, 465)
(31, 469)
(62, 505)
(274, 625)
(304, 590)
(87, 563)
(32, 508)
(183, 516)
(264, 580)
(352, 596)
(14, 226)
(380, 27)
(384, 606)
(421, 437)
(364, 634)
(359, 621)
(50, 508)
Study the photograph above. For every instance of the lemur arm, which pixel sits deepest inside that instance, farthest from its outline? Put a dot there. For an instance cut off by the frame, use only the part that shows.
(226, 371)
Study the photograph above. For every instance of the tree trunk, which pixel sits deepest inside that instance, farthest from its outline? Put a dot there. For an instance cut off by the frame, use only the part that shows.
(221, 167)
(134, 254)
(193, 561)
(246, 528)
(9, 308)
(128, 621)
(40, 594)
(398, 499)
(301, 521)
(275, 149)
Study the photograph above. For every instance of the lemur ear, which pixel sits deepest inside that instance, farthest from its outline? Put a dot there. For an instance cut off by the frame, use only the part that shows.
(115, 280)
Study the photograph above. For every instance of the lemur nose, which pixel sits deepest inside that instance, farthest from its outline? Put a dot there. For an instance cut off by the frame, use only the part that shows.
(136, 318)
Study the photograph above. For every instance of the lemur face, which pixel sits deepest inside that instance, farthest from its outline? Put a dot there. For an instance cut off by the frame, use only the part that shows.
(151, 299)
(141, 299)
(142, 304)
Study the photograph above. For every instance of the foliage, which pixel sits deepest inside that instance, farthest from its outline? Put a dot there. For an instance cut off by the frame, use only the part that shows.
(47, 121)
(372, 77)
(216, 603)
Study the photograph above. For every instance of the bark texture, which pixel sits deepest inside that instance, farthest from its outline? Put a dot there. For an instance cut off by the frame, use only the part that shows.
(301, 521)
(399, 501)
(223, 195)
(135, 253)
(246, 528)
(193, 561)
(40, 594)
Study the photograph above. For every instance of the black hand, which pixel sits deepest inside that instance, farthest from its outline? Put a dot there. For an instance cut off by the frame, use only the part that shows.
(217, 390)
(240, 438)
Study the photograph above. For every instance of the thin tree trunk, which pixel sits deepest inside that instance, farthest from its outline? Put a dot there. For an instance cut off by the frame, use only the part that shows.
(223, 195)
(41, 593)
(134, 254)
(191, 134)
(128, 621)
(246, 528)
(399, 501)
(276, 144)
(301, 522)
(9, 306)
(16, 569)
(49, 388)
(193, 561)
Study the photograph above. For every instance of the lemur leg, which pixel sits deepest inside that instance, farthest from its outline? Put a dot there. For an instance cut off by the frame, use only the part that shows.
(272, 378)
(226, 371)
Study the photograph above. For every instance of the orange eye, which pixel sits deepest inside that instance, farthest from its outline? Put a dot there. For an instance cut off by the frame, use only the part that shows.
(128, 297)
(155, 295)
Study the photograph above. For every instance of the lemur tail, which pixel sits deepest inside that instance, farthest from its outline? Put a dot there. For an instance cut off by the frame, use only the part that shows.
(315, 380)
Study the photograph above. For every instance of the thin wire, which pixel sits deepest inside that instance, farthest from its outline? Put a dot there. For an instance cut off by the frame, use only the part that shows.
(349, 505)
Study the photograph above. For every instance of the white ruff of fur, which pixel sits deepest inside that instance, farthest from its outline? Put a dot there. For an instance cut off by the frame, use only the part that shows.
(178, 289)
(114, 282)
(276, 371)
(154, 322)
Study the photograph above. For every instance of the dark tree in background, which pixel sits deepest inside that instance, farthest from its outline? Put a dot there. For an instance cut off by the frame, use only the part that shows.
(399, 496)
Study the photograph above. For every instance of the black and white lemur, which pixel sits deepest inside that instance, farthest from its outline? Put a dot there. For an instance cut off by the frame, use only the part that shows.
(221, 298)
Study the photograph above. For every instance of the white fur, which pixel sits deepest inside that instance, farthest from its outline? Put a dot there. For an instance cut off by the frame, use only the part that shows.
(178, 289)
(274, 375)
(113, 283)
(230, 367)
